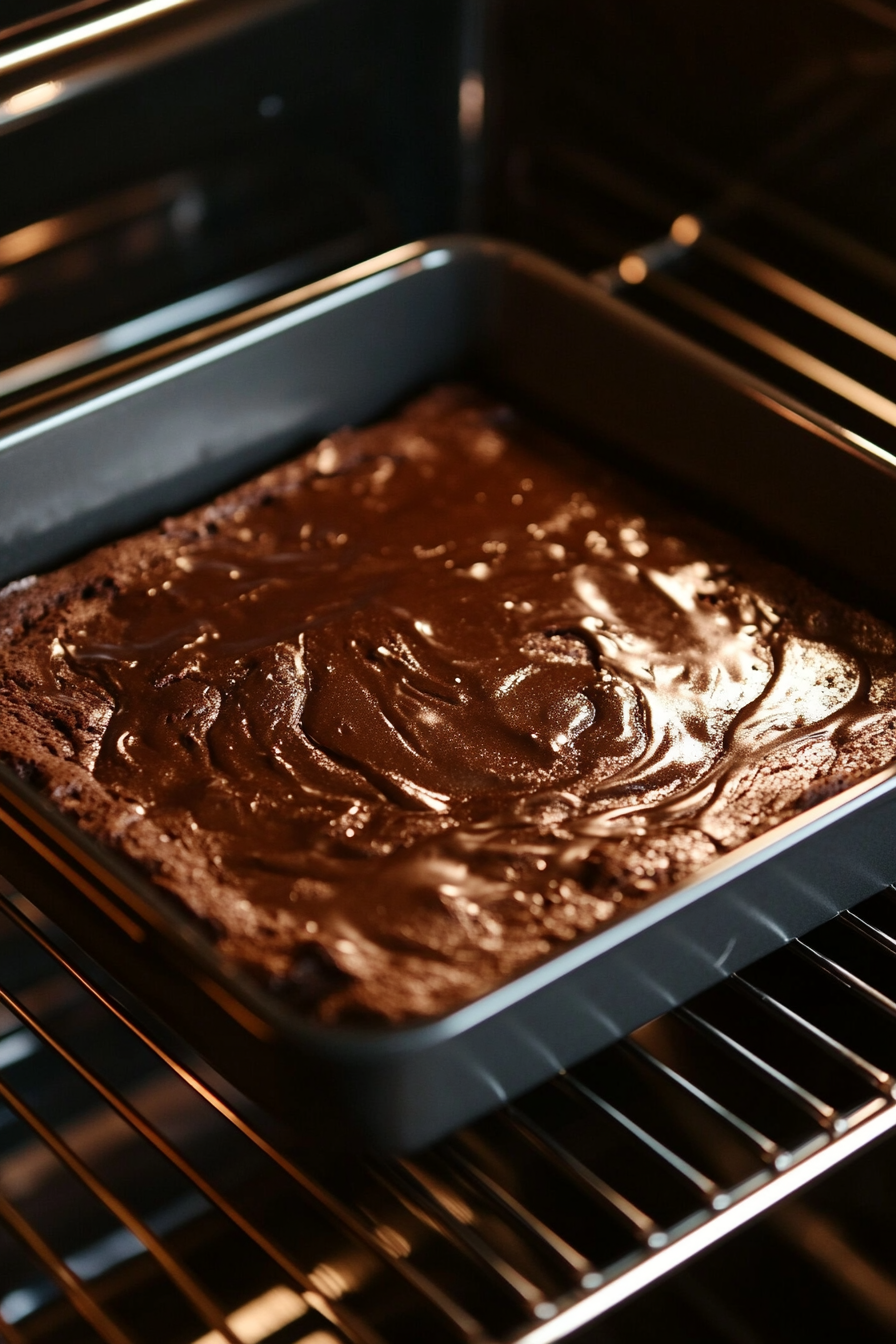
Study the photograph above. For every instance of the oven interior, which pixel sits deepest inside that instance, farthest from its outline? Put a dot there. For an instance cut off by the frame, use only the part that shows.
(721, 1175)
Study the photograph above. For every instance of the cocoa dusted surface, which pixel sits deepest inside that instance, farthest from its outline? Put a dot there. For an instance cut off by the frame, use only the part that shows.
(404, 716)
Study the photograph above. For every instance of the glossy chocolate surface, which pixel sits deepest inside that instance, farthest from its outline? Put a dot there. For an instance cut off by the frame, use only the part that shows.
(402, 717)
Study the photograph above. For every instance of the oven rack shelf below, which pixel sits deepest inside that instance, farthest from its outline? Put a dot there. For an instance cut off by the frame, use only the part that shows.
(140, 1199)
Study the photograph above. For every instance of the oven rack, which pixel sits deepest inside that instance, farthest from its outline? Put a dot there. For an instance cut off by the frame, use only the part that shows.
(745, 255)
(751, 276)
(140, 1199)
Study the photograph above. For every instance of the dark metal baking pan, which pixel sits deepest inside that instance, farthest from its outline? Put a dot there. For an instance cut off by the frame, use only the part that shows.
(344, 351)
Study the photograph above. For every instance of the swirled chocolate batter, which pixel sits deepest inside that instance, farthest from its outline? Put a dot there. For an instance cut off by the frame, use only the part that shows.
(405, 715)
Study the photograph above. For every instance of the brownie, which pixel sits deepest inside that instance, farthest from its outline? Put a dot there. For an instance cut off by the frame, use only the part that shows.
(405, 715)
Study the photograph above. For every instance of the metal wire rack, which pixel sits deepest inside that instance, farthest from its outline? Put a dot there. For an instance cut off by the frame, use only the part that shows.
(140, 1199)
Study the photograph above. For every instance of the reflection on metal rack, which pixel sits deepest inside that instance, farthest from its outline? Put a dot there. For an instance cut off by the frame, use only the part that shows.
(140, 1196)
(75, 48)
(766, 316)
(638, 267)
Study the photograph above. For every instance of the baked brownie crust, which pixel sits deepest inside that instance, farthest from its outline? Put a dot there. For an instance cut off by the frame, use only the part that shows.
(404, 715)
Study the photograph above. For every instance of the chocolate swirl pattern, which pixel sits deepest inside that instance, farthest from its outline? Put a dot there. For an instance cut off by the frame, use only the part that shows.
(401, 717)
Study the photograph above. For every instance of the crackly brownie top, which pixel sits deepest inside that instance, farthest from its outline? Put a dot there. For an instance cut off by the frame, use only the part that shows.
(402, 716)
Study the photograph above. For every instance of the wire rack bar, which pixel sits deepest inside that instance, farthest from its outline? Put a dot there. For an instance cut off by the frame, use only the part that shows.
(81, 1299)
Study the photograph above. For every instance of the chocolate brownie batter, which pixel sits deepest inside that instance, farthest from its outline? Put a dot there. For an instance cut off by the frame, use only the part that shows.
(403, 716)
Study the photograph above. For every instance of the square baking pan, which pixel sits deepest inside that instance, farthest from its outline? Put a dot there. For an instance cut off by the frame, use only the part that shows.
(220, 405)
